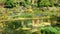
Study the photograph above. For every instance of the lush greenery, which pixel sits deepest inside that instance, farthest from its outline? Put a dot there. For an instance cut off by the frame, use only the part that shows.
(11, 9)
(25, 3)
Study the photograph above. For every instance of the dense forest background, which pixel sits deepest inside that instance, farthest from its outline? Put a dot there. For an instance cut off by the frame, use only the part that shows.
(25, 3)
(48, 12)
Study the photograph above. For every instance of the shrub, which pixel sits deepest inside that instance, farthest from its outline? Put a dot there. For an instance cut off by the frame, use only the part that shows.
(10, 4)
(44, 3)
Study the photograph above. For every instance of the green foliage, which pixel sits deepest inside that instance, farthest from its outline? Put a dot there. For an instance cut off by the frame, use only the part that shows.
(10, 3)
(50, 30)
(11, 27)
(45, 3)
(28, 11)
(25, 3)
